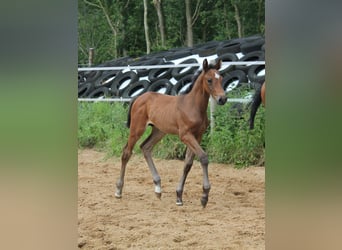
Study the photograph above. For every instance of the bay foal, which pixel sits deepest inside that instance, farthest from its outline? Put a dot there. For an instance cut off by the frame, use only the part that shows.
(183, 115)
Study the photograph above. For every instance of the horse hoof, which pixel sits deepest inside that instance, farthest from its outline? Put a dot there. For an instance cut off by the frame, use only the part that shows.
(204, 203)
(179, 203)
(118, 196)
(158, 195)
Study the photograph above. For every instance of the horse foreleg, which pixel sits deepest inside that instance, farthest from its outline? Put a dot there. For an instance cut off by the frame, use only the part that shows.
(195, 147)
(189, 158)
(147, 146)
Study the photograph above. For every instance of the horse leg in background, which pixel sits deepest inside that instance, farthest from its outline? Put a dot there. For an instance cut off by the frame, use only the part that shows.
(189, 158)
(254, 108)
(147, 146)
(263, 94)
(195, 147)
(134, 135)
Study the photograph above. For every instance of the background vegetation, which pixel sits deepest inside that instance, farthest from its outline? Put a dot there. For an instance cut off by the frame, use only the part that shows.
(102, 126)
(117, 28)
(137, 27)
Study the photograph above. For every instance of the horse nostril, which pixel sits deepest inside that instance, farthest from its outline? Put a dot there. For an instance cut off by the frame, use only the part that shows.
(222, 100)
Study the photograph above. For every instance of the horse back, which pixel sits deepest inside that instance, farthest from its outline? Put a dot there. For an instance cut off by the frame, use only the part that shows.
(153, 108)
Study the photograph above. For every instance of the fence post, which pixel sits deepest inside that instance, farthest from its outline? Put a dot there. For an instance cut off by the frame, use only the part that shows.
(90, 57)
(212, 111)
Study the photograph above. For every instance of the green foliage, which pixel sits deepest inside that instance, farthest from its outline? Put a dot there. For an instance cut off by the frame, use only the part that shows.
(216, 21)
(103, 126)
(170, 147)
(231, 141)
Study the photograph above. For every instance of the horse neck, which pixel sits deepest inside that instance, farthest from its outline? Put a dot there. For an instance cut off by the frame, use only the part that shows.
(198, 97)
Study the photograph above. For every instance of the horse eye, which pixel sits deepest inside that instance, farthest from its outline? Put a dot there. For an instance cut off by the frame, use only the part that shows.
(210, 81)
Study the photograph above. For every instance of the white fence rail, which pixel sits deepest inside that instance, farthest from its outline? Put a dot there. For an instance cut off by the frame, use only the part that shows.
(224, 64)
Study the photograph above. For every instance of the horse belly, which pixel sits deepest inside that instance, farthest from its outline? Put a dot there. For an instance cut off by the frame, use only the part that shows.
(165, 119)
(164, 122)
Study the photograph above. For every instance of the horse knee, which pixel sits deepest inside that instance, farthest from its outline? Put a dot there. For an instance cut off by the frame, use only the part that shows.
(145, 149)
(126, 154)
(204, 159)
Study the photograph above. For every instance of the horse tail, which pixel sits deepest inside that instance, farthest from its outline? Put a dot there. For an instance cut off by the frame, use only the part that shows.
(128, 124)
(256, 101)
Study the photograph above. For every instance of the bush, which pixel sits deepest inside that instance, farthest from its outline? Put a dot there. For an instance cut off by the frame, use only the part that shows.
(103, 126)
(231, 140)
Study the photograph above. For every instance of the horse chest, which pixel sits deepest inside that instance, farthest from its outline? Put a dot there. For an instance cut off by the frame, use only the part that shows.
(195, 122)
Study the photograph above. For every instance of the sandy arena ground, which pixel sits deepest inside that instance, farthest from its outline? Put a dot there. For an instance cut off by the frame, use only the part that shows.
(233, 219)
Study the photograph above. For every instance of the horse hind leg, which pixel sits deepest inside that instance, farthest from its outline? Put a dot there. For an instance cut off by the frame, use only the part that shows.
(135, 134)
(147, 146)
(254, 108)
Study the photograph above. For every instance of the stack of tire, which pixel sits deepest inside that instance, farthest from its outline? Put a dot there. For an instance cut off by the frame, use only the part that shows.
(130, 82)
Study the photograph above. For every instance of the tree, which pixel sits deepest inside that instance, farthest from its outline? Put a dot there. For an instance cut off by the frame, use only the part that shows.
(120, 28)
(157, 5)
(237, 18)
(190, 21)
(147, 37)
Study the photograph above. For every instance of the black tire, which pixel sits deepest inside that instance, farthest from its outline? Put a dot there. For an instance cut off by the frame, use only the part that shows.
(107, 78)
(85, 89)
(186, 80)
(233, 80)
(116, 87)
(231, 46)
(206, 49)
(251, 38)
(158, 54)
(251, 46)
(253, 73)
(131, 90)
(180, 72)
(255, 85)
(156, 74)
(252, 56)
(92, 76)
(228, 57)
(122, 61)
(145, 72)
(173, 55)
(100, 92)
(81, 78)
(161, 84)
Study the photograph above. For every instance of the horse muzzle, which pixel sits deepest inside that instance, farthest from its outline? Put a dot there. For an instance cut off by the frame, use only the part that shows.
(221, 100)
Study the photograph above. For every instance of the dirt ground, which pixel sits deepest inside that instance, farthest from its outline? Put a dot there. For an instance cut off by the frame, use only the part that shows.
(234, 217)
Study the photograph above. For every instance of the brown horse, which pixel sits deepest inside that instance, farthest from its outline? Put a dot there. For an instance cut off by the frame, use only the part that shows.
(183, 115)
(258, 98)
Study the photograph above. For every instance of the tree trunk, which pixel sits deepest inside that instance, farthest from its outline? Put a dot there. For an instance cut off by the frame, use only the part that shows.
(147, 37)
(259, 16)
(226, 21)
(238, 21)
(189, 34)
(157, 5)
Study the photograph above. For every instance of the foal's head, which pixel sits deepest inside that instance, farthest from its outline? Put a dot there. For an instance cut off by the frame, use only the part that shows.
(213, 82)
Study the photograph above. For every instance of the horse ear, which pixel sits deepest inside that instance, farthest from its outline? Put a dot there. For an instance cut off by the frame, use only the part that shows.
(218, 64)
(205, 65)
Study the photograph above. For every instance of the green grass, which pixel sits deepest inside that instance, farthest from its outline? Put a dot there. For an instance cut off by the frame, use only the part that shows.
(102, 126)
